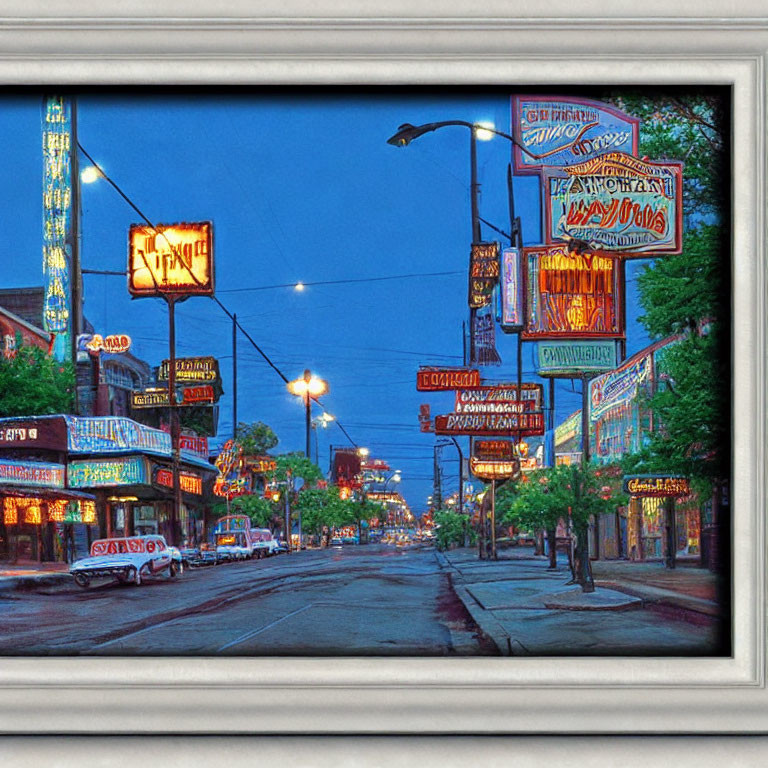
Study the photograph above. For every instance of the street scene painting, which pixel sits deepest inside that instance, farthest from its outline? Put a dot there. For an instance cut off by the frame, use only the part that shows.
(332, 372)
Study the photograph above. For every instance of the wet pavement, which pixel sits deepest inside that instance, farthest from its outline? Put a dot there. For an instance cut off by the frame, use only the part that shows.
(374, 600)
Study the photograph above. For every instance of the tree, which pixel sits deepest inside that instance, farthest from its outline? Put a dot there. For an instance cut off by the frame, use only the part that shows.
(535, 503)
(453, 528)
(256, 438)
(542, 497)
(689, 294)
(32, 383)
(261, 511)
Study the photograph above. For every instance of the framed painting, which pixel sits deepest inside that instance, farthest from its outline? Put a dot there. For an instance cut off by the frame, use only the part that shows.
(138, 46)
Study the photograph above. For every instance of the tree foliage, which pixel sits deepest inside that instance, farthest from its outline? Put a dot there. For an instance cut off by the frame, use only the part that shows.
(35, 384)
(262, 512)
(256, 438)
(453, 528)
(689, 294)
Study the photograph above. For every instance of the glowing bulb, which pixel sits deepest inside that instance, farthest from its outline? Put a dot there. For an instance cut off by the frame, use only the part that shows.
(299, 287)
(484, 131)
(90, 174)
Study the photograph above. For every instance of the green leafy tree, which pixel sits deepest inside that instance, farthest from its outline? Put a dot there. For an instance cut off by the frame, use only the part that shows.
(453, 528)
(35, 384)
(542, 497)
(689, 294)
(256, 438)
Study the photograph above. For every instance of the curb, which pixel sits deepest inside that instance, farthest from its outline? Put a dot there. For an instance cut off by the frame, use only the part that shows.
(485, 620)
(670, 599)
(32, 582)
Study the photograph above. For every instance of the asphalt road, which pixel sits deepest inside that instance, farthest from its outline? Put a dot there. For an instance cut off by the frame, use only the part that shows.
(372, 600)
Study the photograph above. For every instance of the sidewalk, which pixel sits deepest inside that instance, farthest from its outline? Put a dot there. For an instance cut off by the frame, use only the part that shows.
(504, 596)
(19, 577)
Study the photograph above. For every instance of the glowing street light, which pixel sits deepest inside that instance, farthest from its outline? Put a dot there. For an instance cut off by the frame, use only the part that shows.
(309, 388)
(90, 174)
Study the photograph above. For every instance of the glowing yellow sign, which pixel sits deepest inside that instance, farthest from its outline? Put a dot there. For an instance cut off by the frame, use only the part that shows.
(174, 259)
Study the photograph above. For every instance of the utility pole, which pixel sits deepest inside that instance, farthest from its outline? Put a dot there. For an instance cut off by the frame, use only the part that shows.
(234, 376)
(174, 417)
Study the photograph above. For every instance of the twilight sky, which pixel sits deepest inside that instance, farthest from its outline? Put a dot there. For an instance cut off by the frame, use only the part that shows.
(301, 186)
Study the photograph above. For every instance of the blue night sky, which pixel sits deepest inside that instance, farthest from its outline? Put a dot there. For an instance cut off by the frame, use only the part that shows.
(300, 187)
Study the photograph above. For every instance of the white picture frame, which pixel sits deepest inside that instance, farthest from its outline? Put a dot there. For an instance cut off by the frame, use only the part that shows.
(394, 42)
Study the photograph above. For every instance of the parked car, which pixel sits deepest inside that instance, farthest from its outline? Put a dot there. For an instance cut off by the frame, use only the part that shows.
(127, 559)
(282, 547)
(263, 542)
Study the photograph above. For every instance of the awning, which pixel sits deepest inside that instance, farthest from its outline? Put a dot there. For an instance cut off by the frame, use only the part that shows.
(44, 493)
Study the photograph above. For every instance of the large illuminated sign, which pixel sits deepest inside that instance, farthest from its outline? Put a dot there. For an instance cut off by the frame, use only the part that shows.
(571, 294)
(97, 473)
(32, 473)
(191, 369)
(617, 387)
(563, 130)
(483, 273)
(439, 379)
(493, 469)
(232, 479)
(530, 394)
(511, 290)
(171, 259)
(491, 424)
(57, 221)
(657, 486)
(152, 397)
(105, 434)
(619, 203)
(572, 359)
(490, 400)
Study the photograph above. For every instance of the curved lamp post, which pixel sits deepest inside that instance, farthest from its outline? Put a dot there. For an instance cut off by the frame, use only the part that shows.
(309, 388)
(406, 133)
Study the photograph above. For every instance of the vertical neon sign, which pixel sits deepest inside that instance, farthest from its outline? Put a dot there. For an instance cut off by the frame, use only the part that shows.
(57, 211)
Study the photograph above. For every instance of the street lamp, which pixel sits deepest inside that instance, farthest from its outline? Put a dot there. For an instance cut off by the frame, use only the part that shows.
(309, 388)
(324, 419)
(406, 133)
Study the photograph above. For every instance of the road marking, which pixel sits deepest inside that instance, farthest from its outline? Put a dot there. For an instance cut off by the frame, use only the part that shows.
(253, 633)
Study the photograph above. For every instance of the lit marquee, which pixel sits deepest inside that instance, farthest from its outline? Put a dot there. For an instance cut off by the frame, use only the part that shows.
(57, 210)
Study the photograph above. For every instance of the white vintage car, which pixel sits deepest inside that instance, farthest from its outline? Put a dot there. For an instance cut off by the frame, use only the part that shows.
(127, 559)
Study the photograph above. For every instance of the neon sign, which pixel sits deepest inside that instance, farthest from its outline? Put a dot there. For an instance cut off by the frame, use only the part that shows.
(491, 424)
(483, 273)
(619, 203)
(493, 470)
(31, 473)
(171, 259)
(571, 294)
(488, 450)
(574, 358)
(439, 379)
(511, 290)
(560, 131)
(57, 224)
(657, 486)
(619, 386)
(114, 344)
(232, 480)
(98, 473)
(196, 369)
(188, 482)
(103, 434)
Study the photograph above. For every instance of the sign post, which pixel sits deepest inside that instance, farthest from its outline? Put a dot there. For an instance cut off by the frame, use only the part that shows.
(172, 262)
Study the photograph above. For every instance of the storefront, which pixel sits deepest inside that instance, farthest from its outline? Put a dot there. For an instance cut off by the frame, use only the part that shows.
(41, 520)
(121, 465)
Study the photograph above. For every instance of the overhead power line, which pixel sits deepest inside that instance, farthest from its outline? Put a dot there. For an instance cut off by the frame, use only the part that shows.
(215, 298)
